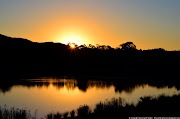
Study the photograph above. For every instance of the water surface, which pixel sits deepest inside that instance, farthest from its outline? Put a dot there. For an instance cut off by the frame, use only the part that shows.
(62, 95)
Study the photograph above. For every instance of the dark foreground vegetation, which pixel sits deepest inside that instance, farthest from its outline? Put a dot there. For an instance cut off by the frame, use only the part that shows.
(22, 58)
(15, 113)
(114, 109)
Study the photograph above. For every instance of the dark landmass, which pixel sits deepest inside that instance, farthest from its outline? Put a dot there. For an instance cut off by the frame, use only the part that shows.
(125, 68)
(22, 58)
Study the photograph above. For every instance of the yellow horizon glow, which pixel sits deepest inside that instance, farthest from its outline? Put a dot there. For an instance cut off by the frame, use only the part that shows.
(72, 37)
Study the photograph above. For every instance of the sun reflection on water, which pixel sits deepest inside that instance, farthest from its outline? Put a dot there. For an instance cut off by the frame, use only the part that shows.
(61, 95)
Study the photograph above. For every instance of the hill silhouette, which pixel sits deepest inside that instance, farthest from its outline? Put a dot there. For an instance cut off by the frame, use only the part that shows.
(22, 57)
(8, 41)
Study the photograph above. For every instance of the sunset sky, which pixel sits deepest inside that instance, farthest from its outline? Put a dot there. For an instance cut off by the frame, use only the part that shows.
(147, 23)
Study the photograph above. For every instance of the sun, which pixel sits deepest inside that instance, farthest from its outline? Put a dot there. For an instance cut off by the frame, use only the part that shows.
(72, 45)
(72, 37)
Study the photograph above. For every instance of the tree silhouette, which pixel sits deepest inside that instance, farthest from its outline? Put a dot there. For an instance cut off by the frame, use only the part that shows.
(128, 46)
(91, 46)
(82, 46)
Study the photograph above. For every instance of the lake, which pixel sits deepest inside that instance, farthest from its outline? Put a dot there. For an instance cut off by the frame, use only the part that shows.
(45, 95)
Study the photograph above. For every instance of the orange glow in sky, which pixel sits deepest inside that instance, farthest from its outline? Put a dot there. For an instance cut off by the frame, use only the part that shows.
(148, 24)
(72, 37)
(81, 31)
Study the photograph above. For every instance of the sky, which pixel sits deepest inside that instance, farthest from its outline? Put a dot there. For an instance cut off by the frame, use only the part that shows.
(147, 23)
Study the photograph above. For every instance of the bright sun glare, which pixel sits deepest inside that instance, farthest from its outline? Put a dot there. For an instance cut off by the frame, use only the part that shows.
(72, 45)
(72, 37)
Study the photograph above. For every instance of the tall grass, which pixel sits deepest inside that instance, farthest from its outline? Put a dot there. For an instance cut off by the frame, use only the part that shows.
(115, 109)
(112, 109)
(15, 113)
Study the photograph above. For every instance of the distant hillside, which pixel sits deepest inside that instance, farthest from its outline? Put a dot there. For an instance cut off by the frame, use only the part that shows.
(5, 41)
(21, 57)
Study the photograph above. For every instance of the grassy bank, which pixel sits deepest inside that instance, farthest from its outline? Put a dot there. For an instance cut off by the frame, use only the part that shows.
(15, 113)
(112, 109)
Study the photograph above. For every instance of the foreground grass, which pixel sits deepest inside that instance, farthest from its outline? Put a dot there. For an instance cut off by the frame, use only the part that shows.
(113, 109)
(15, 113)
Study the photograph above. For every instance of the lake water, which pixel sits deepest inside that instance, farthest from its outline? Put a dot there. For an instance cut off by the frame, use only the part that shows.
(61, 95)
